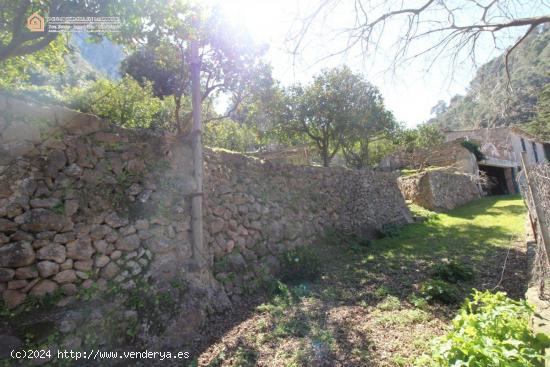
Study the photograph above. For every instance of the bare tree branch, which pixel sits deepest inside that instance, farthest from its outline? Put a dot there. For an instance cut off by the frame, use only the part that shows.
(439, 22)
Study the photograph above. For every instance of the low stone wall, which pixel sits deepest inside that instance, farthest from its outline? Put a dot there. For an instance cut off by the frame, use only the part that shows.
(257, 209)
(450, 154)
(439, 190)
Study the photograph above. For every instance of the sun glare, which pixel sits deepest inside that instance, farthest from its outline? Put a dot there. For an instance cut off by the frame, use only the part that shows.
(261, 18)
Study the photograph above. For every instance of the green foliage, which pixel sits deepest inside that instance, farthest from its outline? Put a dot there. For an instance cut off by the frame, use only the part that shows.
(338, 110)
(390, 303)
(124, 102)
(438, 290)
(231, 135)
(452, 272)
(21, 71)
(490, 330)
(301, 263)
(541, 124)
(489, 101)
(245, 357)
(422, 137)
(474, 148)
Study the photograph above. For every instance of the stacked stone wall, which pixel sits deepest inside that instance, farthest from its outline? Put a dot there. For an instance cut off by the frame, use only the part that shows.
(255, 210)
(439, 190)
(88, 207)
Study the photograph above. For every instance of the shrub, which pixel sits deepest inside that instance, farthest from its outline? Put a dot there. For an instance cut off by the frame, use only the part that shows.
(301, 263)
(453, 272)
(490, 330)
(388, 230)
(231, 135)
(440, 291)
(474, 149)
(125, 103)
(354, 242)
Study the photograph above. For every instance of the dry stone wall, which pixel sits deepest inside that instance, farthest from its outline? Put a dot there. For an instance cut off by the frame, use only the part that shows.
(257, 209)
(83, 202)
(89, 207)
(439, 190)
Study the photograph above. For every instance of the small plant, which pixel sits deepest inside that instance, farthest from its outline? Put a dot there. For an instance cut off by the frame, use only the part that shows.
(292, 326)
(382, 291)
(301, 263)
(245, 357)
(474, 149)
(59, 209)
(490, 330)
(388, 230)
(440, 291)
(453, 272)
(418, 301)
(390, 303)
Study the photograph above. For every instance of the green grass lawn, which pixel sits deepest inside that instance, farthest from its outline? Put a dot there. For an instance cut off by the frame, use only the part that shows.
(366, 309)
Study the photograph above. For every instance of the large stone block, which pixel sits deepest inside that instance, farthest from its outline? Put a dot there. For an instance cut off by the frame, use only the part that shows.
(16, 254)
(40, 220)
(128, 243)
(81, 249)
(53, 252)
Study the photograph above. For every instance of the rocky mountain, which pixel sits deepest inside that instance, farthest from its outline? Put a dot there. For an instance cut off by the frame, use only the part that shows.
(494, 100)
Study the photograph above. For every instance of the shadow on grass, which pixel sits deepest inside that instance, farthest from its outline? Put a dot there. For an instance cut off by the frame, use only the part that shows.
(356, 282)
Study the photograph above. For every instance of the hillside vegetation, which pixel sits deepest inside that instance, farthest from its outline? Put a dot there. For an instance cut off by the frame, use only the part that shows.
(489, 102)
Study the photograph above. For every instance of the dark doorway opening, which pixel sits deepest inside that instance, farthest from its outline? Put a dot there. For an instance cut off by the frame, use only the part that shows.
(495, 180)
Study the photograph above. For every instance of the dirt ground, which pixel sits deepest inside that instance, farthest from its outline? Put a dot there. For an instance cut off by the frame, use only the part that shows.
(365, 309)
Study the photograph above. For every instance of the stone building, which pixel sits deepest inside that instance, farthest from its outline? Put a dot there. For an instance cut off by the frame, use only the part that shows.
(502, 148)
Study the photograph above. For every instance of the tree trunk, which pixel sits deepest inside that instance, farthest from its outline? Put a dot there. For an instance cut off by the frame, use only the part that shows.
(325, 155)
(177, 100)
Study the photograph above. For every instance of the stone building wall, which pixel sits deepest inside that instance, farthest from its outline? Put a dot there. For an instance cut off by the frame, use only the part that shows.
(439, 190)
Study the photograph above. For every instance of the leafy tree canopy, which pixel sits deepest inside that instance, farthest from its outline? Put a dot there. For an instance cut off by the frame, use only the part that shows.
(338, 110)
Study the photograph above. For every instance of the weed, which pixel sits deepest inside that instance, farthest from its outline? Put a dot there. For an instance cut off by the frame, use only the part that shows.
(293, 326)
(418, 301)
(453, 272)
(490, 330)
(301, 263)
(390, 303)
(245, 357)
(383, 291)
(59, 208)
(440, 291)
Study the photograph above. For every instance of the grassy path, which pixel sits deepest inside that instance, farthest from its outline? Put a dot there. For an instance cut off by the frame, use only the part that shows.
(365, 309)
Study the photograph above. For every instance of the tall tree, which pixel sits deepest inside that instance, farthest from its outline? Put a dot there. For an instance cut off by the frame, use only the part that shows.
(230, 60)
(166, 69)
(338, 109)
